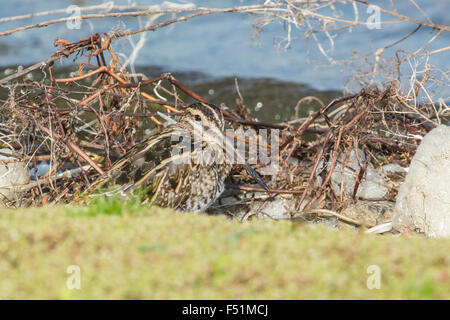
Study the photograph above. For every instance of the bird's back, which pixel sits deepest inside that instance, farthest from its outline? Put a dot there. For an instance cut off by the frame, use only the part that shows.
(169, 175)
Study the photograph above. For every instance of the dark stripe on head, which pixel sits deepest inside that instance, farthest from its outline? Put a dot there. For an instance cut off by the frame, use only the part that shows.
(211, 112)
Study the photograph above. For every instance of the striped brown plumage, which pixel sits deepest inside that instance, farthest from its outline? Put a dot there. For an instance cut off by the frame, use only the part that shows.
(181, 180)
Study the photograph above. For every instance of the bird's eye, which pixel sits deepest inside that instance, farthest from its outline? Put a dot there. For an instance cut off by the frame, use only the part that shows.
(197, 117)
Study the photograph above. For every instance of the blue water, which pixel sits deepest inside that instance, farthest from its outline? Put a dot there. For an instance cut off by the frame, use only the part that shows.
(222, 45)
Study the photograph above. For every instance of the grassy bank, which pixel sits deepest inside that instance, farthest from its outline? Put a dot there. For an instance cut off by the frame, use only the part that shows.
(152, 253)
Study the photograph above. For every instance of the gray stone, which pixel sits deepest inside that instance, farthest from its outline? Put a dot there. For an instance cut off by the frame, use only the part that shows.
(392, 168)
(13, 174)
(240, 206)
(279, 208)
(370, 213)
(423, 201)
(375, 183)
(372, 186)
(256, 205)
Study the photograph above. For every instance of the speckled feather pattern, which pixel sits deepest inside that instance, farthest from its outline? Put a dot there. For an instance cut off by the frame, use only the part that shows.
(185, 185)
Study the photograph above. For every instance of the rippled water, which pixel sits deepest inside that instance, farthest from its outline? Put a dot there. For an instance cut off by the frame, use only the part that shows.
(221, 45)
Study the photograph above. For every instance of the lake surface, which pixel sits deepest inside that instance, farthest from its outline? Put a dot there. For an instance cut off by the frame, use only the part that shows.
(222, 45)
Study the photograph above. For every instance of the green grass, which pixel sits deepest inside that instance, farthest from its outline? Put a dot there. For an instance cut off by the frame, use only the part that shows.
(125, 250)
(112, 205)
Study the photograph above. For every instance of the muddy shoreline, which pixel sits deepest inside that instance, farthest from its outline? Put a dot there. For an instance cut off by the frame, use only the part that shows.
(268, 99)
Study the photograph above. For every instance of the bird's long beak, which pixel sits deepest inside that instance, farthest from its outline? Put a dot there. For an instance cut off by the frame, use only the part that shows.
(256, 176)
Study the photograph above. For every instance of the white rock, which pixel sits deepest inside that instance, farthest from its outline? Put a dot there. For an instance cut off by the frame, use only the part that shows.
(393, 168)
(381, 228)
(12, 173)
(370, 212)
(279, 208)
(240, 205)
(423, 201)
(372, 186)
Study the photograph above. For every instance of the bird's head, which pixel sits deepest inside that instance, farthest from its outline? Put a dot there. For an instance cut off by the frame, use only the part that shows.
(206, 115)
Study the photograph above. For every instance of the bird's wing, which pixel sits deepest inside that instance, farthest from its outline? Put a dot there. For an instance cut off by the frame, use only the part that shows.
(146, 163)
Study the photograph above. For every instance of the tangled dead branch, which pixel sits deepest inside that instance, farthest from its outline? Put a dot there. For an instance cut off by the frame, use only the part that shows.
(319, 20)
(81, 124)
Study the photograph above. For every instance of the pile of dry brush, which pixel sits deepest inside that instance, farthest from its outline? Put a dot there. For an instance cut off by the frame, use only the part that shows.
(81, 124)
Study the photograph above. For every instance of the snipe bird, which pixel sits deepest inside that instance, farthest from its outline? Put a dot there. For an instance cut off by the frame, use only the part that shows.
(188, 179)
